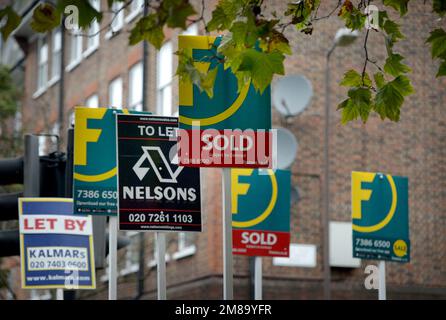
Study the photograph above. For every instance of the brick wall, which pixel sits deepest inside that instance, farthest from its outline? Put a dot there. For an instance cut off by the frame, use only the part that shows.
(414, 147)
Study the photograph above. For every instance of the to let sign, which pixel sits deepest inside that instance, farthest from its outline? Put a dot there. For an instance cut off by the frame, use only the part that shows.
(261, 212)
(56, 247)
(154, 192)
(231, 129)
(380, 217)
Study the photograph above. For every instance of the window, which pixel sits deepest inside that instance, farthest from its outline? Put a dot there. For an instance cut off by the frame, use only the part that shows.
(42, 64)
(186, 245)
(164, 83)
(132, 254)
(75, 50)
(115, 93)
(56, 55)
(135, 87)
(93, 31)
(92, 101)
(117, 19)
(136, 6)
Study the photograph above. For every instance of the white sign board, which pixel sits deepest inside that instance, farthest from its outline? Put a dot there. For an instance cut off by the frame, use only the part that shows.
(301, 255)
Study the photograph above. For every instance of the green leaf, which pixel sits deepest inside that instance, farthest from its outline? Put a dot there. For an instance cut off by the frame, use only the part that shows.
(224, 14)
(353, 79)
(398, 5)
(394, 67)
(442, 70)
(262, 66)
(207, 82)
(439, 6)
(354, 19)
(393, 30)
(177, 12)
(149, 29)
(45, 18)
(390, 97)
(379, 79)
(357, 105)
(87, 13)
(437, 39)
(12, 21)
(402, 84)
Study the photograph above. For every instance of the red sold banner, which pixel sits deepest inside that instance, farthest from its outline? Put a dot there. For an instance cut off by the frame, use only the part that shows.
(260, 212)
(227, 148)
(260, 243)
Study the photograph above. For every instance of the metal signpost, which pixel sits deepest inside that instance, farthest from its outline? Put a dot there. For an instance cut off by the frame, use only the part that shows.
(228, 135)
(94, 174)
(155, 194)
(56, 247)
(261, 210)
(380, 219)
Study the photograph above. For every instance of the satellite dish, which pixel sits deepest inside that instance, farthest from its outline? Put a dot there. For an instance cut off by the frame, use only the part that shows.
(292, 94)
(294, 195)
(286, 148)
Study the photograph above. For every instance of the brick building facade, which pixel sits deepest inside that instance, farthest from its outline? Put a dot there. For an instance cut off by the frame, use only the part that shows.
(106, 72)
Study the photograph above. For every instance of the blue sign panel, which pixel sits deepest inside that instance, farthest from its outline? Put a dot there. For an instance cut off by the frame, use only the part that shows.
(56, 246)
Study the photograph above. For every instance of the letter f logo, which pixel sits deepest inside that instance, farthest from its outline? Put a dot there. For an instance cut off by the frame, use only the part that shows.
(237, 187)
(359, 194)
(83, 135)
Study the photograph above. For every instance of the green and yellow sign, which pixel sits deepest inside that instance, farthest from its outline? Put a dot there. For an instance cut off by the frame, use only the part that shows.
(230, 129)
(94, 172)
(380, 217)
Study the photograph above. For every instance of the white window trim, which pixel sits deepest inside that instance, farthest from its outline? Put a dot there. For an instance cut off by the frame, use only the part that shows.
(53, 81)
(112, 32)
(74, 63)
(110, 104)
(129, 267)
(44, 87)
(90, 49)
(185, 252)
(153, 262)
(160, 88)
(56, 78)
(39, 92)
(135, 106)
(133, 14)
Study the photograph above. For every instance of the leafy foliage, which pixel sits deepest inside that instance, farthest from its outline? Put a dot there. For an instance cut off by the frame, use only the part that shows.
(8, 94)
(254, 45)
(170, 13)
(12, 21)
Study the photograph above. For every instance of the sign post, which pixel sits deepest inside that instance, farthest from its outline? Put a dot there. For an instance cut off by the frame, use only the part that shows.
(154, 193)
(258, 278)
(380, 220)
(112, 257)
(161, 264)
(228, 135)
(261, 223)
(382, 280)
(228, 286)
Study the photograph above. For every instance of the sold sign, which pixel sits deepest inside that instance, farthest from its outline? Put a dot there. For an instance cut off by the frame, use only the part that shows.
(230, 129)
(260, 212)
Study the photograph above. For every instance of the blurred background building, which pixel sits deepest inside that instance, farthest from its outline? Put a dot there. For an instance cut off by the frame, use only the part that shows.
(61, 70)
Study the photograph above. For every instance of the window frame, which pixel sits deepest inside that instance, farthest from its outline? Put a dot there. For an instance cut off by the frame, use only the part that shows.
(110, 104)
(132, 105)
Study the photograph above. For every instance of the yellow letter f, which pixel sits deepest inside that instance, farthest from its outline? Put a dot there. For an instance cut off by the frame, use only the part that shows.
(359, 194)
